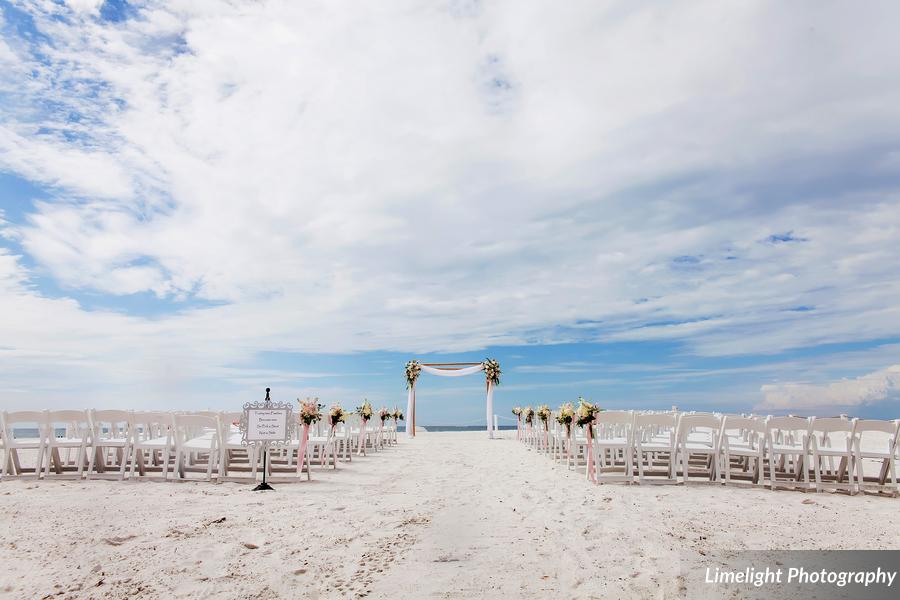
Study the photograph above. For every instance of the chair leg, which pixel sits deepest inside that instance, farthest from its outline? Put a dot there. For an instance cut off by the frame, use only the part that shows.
(165, 464)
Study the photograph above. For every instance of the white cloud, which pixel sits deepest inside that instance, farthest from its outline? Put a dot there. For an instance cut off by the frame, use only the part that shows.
(419, 177)
(868, 389)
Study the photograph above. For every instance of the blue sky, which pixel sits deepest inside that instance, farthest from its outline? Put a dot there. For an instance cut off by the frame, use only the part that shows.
(202, 201)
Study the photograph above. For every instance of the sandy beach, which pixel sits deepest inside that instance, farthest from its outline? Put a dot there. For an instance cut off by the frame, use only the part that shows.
(447, 515)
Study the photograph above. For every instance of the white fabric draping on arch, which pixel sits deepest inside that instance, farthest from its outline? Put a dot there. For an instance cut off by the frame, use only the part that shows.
(411, 396)
(452, 372)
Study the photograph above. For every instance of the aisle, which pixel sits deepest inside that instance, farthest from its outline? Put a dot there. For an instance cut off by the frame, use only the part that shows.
(486, 532)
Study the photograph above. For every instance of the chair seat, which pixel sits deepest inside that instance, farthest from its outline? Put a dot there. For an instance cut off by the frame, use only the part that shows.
(613, 442)
(67, 442)
(159, 442)
(26, 443)
(199, 443)
(234, 441)
(742, 450)
(876, 454)
(657, 447)
(833, 452)
(787, 449)
(318, 439)
(114, 442)
(699, 446)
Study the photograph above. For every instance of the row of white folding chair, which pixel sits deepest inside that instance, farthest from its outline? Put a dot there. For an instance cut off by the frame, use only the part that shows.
(728, 445)
(106, 440)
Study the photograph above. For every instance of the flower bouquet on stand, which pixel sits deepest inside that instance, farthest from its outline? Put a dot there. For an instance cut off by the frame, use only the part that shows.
(365, 413)
(383, 415)
(518, 412)
(310, 412)
(585, 415)
(564, 417)
(528, 416)
(336, 415)
(543, 413)
(397, 415)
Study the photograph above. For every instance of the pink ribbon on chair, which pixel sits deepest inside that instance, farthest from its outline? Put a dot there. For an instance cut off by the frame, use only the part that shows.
(546, 435)
(568, 441)
(362, 436)
(590, 457)
(301, 453)
(519, 427)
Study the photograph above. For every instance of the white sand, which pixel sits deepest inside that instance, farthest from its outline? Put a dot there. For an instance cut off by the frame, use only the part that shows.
(449, 515)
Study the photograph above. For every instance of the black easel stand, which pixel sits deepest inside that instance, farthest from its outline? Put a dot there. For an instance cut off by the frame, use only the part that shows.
(262, 487)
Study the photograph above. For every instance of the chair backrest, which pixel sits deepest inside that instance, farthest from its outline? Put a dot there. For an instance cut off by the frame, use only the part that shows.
(794, 424)
(146, 425)
(111, 423)
(76, 423)
(665, 419)
(736, 423)
(697, 420)
(890, 431)
(35, 419)
(615, 417)
(831, 424)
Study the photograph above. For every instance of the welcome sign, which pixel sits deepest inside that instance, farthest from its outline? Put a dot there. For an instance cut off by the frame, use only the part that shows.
(267, 424)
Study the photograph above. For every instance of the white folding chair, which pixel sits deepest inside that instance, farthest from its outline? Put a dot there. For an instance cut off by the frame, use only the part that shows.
(868, 436)
(613, 448)
(742, 444)
(832, 438)
(232, 451)
(698, 441)
(110, 437)
(196, 436)
(655, 445)
(787, 448)
(31, 434)
(75, 426)
(152, 441)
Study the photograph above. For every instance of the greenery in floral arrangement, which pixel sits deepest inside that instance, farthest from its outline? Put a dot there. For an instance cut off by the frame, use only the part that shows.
(543, 413)
(529, 414)
(365, 411)
(336, 415)
(586, 412)
(384, 414)
(491, 370)
(565, 416)
(413, 368)
(397, 415)
(310, 411)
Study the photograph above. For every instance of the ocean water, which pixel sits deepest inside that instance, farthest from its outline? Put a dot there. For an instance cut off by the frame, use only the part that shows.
(460, 427)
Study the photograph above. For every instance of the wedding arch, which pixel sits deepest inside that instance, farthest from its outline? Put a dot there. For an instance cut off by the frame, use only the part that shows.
(414, 368)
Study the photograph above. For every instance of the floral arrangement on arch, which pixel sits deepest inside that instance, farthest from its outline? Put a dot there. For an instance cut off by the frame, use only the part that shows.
(384, 414)
(543, 413)
(397, 415)
(336, 415)
(413, 368)
(529, 414)
(365, 411)
(565, 416)
(310, 411)
(491, 371)
(586, 412)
